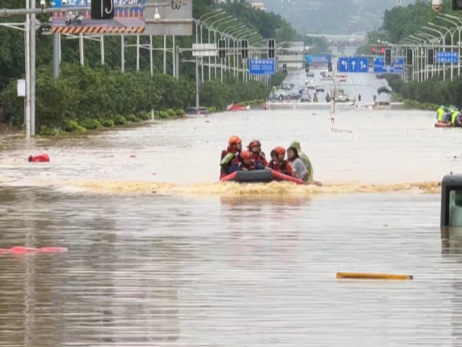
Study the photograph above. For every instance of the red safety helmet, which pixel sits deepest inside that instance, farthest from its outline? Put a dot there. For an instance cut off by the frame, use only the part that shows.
(280, 150)
(234, 140)
(254, 143)
(246, 155)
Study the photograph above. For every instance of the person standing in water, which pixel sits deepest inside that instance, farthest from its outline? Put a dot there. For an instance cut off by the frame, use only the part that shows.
(305, 160)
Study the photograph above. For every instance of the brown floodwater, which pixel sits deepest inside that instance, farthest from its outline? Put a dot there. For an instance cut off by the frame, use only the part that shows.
(162, 255)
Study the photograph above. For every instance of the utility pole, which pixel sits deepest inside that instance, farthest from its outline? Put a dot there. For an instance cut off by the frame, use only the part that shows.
(32, 69)
(27, 68)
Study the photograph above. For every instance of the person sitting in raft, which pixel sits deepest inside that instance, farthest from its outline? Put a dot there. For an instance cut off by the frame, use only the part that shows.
(247, 163)
(230, 154)
(299, 168)
(278, 162)
(455, 118)
(257, 155)
(440, 113)
(443, 114)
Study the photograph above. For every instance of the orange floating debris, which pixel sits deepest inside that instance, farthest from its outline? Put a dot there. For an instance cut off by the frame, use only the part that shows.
(368, 276)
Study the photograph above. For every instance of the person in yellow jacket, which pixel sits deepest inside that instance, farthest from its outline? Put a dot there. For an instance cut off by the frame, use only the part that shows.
(455, 118)
(440, 114)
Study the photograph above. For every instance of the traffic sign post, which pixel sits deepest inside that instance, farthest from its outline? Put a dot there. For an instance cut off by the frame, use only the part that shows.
(447, 57)
(262, 67)
(353, 64)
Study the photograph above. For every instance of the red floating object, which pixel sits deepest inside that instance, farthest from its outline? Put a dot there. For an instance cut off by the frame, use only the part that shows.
(27, 250)
(41, 158)
(53, 250)
(19, 249)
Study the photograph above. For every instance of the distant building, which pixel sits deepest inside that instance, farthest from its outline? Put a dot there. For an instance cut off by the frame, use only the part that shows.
(258, 4)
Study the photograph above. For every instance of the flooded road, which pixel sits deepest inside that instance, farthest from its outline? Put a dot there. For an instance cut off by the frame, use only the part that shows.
(162, 255)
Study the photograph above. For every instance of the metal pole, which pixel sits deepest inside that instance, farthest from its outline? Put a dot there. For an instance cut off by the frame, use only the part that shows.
(122, 53)
(59, 51)
(151, 62)
(137, 52)
(27, 68)
(101, 46)
(81, 49)
(197, 82)
(32, 70)
(173, 56)
(165, 54)
(55, 55)
(177, 59)
(209, 60)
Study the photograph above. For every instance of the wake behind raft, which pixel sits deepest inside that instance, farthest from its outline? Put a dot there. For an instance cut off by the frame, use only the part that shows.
(259, 176)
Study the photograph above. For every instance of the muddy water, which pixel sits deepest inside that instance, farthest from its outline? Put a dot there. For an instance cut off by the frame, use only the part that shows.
(228, 265)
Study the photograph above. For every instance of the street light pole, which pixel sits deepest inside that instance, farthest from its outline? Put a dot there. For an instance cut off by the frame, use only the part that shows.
(443, 46)
(452, 44)
(459, 42)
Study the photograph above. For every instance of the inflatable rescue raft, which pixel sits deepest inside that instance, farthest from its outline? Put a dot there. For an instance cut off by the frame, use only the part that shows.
(445, 125)
(259, 176)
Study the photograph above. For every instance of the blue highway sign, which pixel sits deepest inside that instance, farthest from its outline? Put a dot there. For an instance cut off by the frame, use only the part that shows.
(322, 58)
(353, 64)
(261, 66)
(396, 66)
(447, 57)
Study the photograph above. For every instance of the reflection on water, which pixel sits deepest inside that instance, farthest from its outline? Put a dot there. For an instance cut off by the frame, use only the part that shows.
(154, 270)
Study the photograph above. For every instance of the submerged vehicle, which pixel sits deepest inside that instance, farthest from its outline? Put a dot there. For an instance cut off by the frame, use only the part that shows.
(196, 111)
(259, 176)
(236, 107)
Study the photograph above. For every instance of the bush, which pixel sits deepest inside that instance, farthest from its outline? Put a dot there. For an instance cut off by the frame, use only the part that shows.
(120, 120)
(107, 123)
(171, 112)
(88, 98)
(163, 115)
(144, 115)
(131, 118)
(72, 126)
(91, 124)
(48, 131)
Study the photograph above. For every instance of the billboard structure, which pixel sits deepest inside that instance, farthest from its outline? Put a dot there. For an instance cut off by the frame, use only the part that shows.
(158, 18)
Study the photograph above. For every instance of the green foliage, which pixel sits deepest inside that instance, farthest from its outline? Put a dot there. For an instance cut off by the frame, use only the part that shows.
(179, 112)
(72, 126)
(131, 118)
(107, 123)
(48, 131)
(429, 93)
(171, 112)
(120, 120)
(163, 115)
(144, 115)
(90, 124)
(278, 78)
(213, 93)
